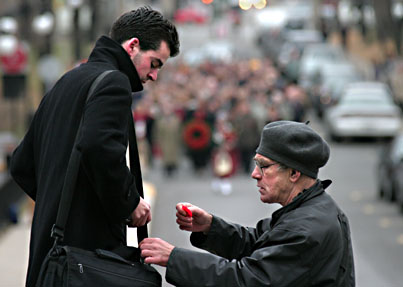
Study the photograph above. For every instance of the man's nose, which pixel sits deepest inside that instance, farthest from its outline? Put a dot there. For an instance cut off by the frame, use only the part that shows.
(153, 75)
(256, 173)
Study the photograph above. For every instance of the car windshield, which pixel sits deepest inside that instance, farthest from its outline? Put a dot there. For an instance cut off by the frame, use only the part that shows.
(340, 79)
(366, 99)
(324, 52)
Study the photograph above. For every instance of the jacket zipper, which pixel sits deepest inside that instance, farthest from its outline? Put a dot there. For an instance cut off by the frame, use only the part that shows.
(81, 269)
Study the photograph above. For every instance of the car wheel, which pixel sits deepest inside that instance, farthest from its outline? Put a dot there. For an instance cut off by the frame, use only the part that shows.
(399, 196)
(400, 206)
(381, 193)
(335, 138)
(400, 202)
(392, 194)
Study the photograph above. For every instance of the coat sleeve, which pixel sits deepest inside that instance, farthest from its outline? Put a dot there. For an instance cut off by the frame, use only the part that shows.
(103, 144)
(228, 240)
(22, 165)
(280, 258)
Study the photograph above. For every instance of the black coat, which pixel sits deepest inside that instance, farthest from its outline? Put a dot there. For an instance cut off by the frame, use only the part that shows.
(105, 194)
(306, 243)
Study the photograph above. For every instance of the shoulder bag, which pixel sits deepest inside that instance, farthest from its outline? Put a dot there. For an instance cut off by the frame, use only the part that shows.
(72, 266)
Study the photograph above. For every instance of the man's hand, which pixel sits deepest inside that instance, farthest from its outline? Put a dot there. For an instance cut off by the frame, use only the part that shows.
(155, 251)
(141, 215)
(199, 222)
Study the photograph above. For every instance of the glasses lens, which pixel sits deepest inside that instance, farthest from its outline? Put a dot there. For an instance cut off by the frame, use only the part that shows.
(259, 167)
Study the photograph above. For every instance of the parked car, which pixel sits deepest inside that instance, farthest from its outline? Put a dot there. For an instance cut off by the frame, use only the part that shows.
(370, 86)
(278, 45)
(292, 48)
(389, 170)
(363, 111)
(313, 58)
(334, 77)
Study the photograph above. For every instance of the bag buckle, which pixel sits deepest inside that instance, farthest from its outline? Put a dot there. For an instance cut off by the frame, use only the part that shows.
(56, 232)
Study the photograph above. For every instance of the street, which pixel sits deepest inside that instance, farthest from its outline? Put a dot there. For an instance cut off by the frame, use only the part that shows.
(376, 226)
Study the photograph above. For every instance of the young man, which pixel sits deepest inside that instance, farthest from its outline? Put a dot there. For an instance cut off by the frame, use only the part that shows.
(140, 43)
(305, 243)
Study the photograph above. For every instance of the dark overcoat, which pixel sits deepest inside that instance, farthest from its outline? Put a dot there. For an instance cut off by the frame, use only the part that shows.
(305, 243)
(105, 193)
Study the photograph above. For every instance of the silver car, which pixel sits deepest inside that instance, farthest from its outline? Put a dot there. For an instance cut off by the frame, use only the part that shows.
(365, 109)
(314, 57)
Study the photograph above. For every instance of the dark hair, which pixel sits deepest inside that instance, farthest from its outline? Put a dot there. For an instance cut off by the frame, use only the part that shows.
(149, 26)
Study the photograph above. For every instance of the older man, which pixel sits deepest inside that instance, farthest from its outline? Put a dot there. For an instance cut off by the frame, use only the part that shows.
(305, 243)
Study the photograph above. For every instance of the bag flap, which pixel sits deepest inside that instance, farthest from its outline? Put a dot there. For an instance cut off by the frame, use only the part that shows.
(112, 256)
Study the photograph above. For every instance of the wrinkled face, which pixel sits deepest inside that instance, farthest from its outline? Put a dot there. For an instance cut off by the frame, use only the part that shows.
(273, 183)
(147, 63)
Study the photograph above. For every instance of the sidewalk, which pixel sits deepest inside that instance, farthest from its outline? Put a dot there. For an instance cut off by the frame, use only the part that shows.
(14, 243)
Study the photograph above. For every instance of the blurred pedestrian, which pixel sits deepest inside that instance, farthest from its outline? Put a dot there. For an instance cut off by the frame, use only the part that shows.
(197, 135)
(105, 197)
(168, 137)
(143, 122)
(305, 243)
(279, 108)
(224, 157)
(297, 99)
(247, 131)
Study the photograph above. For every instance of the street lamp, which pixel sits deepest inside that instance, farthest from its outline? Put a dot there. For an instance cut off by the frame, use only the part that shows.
(13, 64)
(8, 25)
(43, 24)
(247, 4)
(76, 5)
(8, 44)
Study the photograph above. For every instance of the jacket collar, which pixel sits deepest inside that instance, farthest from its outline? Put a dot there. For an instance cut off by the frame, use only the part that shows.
(109, 51)
(317, 189)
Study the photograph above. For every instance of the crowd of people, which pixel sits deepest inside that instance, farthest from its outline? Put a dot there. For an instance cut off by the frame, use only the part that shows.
(213, 113)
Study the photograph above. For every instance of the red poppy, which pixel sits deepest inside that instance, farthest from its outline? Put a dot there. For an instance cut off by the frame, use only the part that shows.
(197, 134)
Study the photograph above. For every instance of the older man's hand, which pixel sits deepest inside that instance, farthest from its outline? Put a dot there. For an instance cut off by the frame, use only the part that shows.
(200, 220)
(155, 251)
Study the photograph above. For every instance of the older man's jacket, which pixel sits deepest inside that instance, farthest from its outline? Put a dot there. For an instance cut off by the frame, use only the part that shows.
(306, 243)
(105, 193)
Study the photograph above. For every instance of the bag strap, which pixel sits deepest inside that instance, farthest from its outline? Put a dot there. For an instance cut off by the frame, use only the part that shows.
(72, 171)
(135, 169)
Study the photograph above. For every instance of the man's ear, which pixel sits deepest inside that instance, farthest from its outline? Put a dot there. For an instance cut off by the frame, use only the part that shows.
(295, 175)
(132, 46)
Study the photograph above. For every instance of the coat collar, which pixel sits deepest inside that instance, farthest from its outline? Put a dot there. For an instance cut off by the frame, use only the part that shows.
(109, 51)
(307, 194)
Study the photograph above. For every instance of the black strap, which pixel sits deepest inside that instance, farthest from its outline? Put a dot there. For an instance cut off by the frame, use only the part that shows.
(136, 171)
(72, 171)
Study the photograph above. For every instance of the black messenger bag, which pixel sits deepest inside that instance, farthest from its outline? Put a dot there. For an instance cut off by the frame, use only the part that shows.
(67, 266)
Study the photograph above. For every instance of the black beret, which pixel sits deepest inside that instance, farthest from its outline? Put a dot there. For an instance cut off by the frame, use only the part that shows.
(295, 145)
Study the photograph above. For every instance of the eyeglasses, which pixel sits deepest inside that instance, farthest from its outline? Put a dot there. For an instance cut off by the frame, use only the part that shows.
(261, 166)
